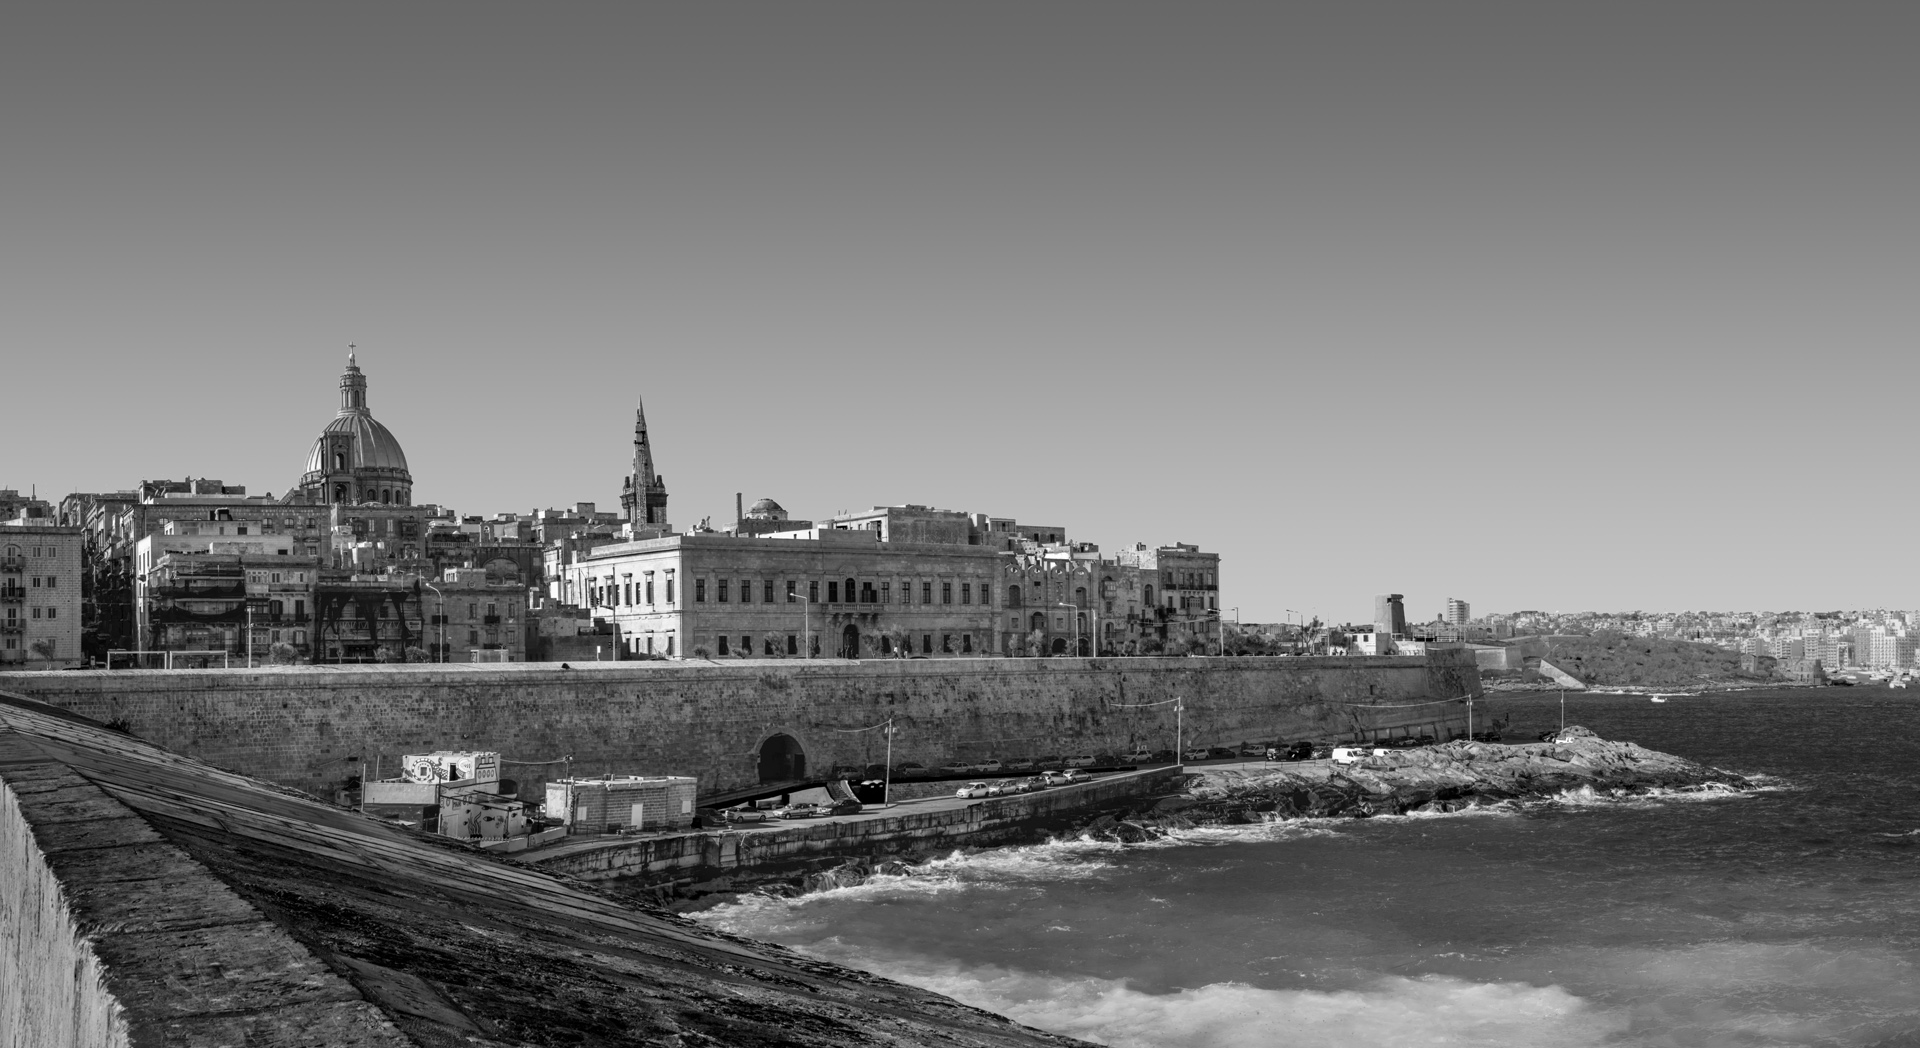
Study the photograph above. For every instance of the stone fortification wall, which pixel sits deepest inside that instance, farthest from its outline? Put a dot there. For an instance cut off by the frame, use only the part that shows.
(53, 989)
(300, 726)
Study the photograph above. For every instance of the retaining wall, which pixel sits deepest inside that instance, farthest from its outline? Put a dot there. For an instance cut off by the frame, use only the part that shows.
(303, 726)
(53, 989)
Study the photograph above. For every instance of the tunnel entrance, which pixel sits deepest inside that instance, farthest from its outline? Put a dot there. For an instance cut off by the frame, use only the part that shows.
(782, 759)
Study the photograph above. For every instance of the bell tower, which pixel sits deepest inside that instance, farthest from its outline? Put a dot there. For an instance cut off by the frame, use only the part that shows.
(644, 495)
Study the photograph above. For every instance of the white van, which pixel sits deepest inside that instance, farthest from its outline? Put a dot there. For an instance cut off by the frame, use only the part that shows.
(1351, 754)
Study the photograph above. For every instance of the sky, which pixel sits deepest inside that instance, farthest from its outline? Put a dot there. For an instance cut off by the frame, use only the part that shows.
(1539, 306)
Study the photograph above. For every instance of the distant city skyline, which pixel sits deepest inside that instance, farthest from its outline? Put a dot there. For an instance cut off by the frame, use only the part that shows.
(1535, 307)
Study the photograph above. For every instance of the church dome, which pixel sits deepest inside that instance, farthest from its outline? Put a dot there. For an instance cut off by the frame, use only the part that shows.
(766, 509)
(355, 458)
(374, 445)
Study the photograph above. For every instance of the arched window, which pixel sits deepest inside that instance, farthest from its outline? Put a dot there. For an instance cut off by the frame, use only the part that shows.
(1080, 596)
(339, 460)
(339, 493)
(386, 495)
(850, 597)
(1149, 596)
(1013, 596)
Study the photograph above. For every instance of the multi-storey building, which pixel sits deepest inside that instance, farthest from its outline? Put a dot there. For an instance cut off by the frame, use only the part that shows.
(480, 613)
(40, 592)
(1459, 612)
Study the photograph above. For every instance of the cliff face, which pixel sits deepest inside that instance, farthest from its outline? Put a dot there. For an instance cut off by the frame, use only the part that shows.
(1439, 778)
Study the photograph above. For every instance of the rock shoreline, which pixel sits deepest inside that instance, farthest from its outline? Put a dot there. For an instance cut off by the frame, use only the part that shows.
(1446, 778)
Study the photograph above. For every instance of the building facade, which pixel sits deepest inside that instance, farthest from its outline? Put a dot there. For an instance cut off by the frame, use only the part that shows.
(40, 593)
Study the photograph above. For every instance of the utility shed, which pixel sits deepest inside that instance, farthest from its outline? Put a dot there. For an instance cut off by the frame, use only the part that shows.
(629, 802)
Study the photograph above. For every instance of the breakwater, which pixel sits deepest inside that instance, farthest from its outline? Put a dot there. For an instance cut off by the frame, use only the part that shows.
(734, 723)
(717, 860)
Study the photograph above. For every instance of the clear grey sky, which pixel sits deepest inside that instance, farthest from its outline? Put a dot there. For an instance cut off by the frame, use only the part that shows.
(1535, 305)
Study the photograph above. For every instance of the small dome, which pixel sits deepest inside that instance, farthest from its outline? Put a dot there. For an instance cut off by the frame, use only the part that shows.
(766, 509)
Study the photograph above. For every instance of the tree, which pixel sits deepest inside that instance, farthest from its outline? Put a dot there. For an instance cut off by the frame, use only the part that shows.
(900, 639)
(44, 648)
(774, 645)
(418, 655)
(385, 654)
(1037, 643)
(700, 651)
(283, 654)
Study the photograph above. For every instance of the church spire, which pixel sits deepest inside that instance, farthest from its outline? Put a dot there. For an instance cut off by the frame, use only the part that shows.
(644, 498)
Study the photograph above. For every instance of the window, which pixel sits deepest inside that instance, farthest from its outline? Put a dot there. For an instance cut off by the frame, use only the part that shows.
(946, 643)
(699, 591)
(473, 636)
(849, 591)
(986, 593)
(766, 592)
(946, 593)
(473, 611)
(36, 582)
(627, 587)
(793, 642)
(966, 593)
(746, 644)
(36, 613)
(926, 644)
(791, 594)
(886, 593)
(926, 593)
(1013, 622)
(833, 593)
(649, 592)
(722, 587)
(966, 642)
(723, 644)
(746, 596)
(669, 601)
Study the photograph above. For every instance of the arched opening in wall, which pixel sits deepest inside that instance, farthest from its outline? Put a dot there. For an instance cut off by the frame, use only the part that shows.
(782, 759)
(1148, 601)
(1013, 595)
(339, 493)
(1059, 645)
(850, 642)
(1037, 621)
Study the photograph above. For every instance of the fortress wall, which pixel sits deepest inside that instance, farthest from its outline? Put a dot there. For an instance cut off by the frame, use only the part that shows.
(299, 725)
(53, 988)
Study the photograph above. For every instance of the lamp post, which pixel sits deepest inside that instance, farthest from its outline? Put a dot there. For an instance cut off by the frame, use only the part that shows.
(1221, 614)
(440, 601)
(1076, 623)
(806, 622)
(249, 633)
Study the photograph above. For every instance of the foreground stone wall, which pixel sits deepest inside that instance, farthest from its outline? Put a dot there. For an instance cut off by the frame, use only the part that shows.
(304, 726)
(52, 988)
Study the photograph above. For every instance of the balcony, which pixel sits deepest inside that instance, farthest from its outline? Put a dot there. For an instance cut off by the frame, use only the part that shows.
(13, 625)
(491, 620)
(12, 595)
(13, 564)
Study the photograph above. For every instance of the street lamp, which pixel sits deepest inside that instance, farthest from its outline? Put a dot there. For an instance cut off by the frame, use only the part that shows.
(806, 622)
(1093, 649)
(1221, 614)
(440, 653)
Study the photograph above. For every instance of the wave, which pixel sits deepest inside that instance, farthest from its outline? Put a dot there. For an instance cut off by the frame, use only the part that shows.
(1388, 1011)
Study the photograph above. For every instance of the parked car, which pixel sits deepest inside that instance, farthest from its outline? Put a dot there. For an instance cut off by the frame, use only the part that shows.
(1040, 781)
(1221, 753)
(908, 769)
(989, 766)
(1084, 760)
(1019, 764)
(973, 789)
(801, 810)
(1051, 760)
(1016, 786)
(1254, 749)
(744, 815)
(1163, 756)
(1105, 760)
(1299, 751)
(1321, 751)
(957, 768)
(1195, 753)
(1137, 757)
(1071, 775)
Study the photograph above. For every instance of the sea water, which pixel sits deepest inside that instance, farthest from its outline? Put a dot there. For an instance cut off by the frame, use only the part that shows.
(1787, 914)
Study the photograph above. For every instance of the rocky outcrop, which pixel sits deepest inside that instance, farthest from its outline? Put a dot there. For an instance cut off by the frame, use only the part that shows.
(1432, 778)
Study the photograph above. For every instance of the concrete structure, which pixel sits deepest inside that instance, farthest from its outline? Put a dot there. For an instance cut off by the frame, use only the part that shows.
(41, 569)
(1459, 613)
(1390, 615)
(355, 459)
(149, 899)
(485, 611)
(613, 803)
(740, 722)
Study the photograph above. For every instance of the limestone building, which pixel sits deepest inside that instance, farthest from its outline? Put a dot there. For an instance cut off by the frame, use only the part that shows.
(40, 580)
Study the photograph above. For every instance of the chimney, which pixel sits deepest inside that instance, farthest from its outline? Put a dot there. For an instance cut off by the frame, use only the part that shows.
(739, 508)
